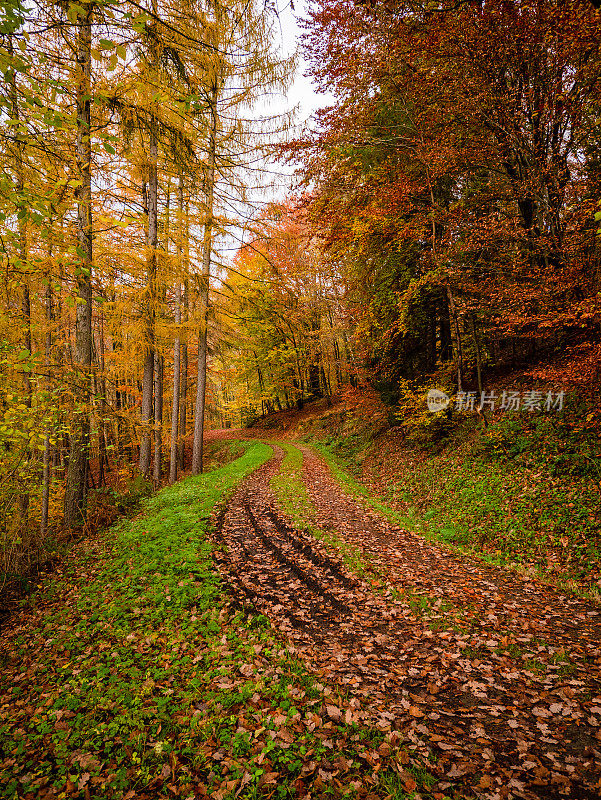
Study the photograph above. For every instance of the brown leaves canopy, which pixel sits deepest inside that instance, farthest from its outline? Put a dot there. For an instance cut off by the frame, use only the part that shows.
(461, 150)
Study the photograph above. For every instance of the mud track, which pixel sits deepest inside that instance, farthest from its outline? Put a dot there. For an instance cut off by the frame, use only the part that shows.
(494, 728)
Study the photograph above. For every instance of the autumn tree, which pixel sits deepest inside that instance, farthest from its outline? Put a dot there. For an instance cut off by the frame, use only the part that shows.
(285, 299)
(444, 175)
(244, 67)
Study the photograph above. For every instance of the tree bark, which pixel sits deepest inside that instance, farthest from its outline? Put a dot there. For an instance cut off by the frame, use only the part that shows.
(432, 340)
(149, 343)
(446, 344)
(47, 458)
(199, 410)
(77, 473)
(103, 431)
(21, 205)
(478, 355)
(159, 365)
(458, 345)
(158, 419)
(183, 406)
(176, 344)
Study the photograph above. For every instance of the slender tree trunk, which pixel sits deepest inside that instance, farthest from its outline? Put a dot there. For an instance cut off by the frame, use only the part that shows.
(478, 355)
(199, 410)
(152, 241)
(23, 253)
(77, 472)
(327, 388)
(120, 398)
(336, 349)
(176, 345)
(47, 458)
(259, 375)
(158, 419)
(432, 340)
(446, 344)
(159, 366)
(183, 405)
(147, 383)
(450, 298)
(175, 410)
(26, 323)
(103, 434)
(458, 345)
(349, 355)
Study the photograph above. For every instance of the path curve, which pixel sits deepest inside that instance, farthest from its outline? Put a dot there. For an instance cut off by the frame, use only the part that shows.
(478, 682)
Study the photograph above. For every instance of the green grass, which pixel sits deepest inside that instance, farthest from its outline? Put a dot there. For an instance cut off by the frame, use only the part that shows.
(291, 494)
(289, 488)
(221, 452)
(132, 673)
(121, 661)
(509, 495)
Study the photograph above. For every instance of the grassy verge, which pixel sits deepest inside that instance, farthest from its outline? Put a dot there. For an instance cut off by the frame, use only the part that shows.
(509, 495)
(292, 496)
(219, 453)
(130, 676)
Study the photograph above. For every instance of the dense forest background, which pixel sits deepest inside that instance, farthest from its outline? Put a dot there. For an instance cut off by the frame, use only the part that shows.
(442, 231)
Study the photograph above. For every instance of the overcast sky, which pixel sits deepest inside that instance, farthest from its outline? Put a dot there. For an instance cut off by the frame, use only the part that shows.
(302, 91)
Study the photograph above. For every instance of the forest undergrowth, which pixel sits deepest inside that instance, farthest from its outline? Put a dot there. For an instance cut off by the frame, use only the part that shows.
(131, 674)
(523, 492)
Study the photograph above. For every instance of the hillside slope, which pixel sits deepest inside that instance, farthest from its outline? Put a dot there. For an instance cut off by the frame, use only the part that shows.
(523, 490)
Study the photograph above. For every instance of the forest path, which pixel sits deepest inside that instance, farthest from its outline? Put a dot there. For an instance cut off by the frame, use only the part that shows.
(493, 678)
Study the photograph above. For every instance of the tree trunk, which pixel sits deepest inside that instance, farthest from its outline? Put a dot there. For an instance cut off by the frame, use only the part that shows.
(22, 212)
(103, 432)
(336, 349)
(149, 344)
(446, 345)
(458, 346)
(147, 383)
(47, 458)
(478, 355)
(432, 340)
(183, 405)
(159, 365)
(158, 419)
(176, 384)
(77, 472)
(176, 344)
(199, 410)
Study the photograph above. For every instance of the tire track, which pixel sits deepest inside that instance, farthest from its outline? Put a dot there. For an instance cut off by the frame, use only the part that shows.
(471, 713)
(302, 574)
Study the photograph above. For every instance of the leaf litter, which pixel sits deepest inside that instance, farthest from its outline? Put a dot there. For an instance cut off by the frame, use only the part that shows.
(489, 679)
(133, 676)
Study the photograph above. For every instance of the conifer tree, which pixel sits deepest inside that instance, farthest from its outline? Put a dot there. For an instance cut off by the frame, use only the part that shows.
(77, 473)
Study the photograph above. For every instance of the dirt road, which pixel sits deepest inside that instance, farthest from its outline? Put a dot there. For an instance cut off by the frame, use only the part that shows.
(494, 679)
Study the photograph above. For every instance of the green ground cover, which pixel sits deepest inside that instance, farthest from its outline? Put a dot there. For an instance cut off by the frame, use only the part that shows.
(130, 675)
(523, 493)
(293, 498)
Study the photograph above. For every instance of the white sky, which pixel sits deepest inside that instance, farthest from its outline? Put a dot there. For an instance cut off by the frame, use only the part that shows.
(303, 93)
(302, 90)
